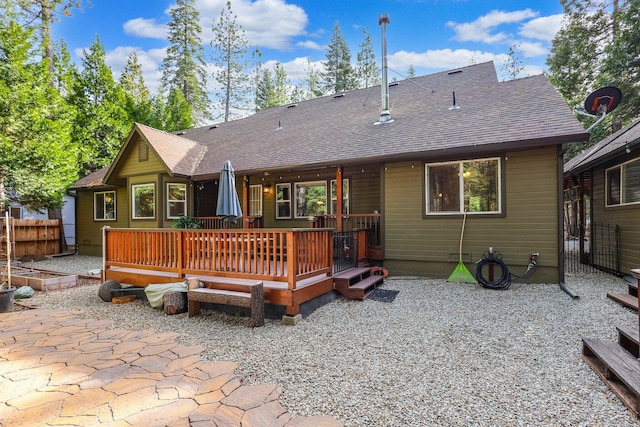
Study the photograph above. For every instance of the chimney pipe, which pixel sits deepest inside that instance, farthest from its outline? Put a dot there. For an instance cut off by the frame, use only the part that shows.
(385, 115)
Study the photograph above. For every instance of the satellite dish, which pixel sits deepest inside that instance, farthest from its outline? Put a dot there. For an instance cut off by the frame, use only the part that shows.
(603, 100)
(599, 103)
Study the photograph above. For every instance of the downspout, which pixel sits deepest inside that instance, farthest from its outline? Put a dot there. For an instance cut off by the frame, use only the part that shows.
(560, 217)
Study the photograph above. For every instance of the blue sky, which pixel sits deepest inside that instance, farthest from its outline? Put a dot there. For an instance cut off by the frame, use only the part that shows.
(431, 35)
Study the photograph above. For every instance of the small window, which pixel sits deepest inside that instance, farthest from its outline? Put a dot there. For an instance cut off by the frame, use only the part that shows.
(143, 201)
(623, 184)
(283, 201)
(176, 200)
(455, 187)
(310, 199)
(255, 200)
(345, 196)
(104, 206)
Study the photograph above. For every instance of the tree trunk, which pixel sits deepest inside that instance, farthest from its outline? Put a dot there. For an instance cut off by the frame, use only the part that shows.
(174, 302)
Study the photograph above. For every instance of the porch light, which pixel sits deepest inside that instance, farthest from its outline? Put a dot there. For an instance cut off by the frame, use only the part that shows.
(267, 189)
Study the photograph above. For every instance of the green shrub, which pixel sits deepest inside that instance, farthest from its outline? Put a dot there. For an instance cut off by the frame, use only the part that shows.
(186, 222)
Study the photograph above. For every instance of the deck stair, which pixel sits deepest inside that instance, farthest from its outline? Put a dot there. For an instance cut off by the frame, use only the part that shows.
(357, 283)
(617, 364)
(630, 299)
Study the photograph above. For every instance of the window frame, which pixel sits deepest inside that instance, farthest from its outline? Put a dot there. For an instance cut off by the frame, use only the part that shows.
(133, 201)
(285, 202)
(334, 197)
(622, 184)
(169, 201)
(297, 185)
(461, 188)
(104, 206)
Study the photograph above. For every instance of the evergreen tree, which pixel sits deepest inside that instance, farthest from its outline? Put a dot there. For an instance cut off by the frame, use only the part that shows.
(338, 75)
(184, 66)
(138, 98)
(231, 50)
(312, 79)
(177, 113)
(37, 158)
(102, 123)
(411, 72)
(367, 70)
(265, 91)
(272, 89)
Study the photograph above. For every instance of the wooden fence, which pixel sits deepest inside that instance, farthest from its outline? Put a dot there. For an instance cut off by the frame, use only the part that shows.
(31, 237)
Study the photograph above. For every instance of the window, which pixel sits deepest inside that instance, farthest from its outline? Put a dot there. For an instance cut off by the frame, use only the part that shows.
(283, 201)
(104, 206)
(472, 185)
(623, 184)
(255, 200)
(310, 199)
(176, 200)
(143, 201)
(345, 196)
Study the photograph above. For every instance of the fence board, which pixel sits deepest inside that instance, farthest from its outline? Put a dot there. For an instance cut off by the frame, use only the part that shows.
(31, 237)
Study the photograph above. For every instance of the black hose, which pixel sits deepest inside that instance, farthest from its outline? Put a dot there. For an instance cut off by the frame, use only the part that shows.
(502, 283)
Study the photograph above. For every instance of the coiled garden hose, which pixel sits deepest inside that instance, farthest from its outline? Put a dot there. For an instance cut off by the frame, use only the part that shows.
(504, 281)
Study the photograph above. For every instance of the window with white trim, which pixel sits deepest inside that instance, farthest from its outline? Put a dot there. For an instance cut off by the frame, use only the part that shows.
(255, 200)
(143, 198)
(283, 201)
(345, 196)
(623, 184)
(176, 200)
(104, 206)
(310, 199)
(470, 185)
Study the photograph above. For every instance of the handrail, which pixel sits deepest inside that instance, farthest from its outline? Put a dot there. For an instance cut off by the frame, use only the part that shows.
(218, 223)
(283, 255)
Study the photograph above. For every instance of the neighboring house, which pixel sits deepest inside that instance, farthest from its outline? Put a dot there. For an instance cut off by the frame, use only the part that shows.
(497, 155)
(602, 188)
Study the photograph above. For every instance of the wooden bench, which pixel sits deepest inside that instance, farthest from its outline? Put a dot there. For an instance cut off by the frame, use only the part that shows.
(254, 299)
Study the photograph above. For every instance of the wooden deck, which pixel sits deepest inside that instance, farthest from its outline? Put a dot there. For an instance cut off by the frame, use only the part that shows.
(295, 265)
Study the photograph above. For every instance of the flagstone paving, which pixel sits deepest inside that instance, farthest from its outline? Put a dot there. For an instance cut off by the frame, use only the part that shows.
(57, 369)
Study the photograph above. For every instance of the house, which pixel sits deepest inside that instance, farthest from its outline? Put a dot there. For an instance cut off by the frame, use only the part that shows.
(457, 141)
(602, 188)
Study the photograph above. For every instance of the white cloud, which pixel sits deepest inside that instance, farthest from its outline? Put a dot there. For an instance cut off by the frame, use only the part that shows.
(441, 59)
(543, 28)
(532, 49)
(309, 44)
(481, 30)
(267, 23)
(141, 27)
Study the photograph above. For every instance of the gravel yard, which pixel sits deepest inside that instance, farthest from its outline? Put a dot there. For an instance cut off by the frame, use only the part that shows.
(441, 354)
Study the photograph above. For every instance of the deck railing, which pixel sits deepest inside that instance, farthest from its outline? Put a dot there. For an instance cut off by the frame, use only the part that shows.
(283, 255)
(351, 222)
(217, 223)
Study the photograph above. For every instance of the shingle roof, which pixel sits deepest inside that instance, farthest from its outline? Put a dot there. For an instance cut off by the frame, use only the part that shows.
(339, 129)
(604, 150)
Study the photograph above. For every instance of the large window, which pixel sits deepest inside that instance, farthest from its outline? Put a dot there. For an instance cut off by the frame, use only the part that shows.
(623, 184)
(104, 206)
(345, 196)
(176, 200)
(143, 201)
(283, 201)
(456, 187)
(310, 199)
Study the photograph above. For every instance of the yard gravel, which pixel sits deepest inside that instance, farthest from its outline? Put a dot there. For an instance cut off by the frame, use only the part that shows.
(441, 354)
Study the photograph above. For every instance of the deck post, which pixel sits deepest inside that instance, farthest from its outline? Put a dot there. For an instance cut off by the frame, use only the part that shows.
(181, 261)
(292, 259)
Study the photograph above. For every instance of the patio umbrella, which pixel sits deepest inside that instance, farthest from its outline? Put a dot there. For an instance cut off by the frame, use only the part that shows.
(228, 203)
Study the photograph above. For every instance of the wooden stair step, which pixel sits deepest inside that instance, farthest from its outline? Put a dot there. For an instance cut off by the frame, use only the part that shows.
(633, 289)
(367, 282)
(352, 273)
(625, 299)
(618, 368)
(629, 339)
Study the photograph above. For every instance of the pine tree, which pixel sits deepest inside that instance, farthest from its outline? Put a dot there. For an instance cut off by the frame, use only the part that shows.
(37, 158)
(312, 82)
(367, 70)
(411, 72)
(102, 123)
(138, 98)
(514, 66)
(272, 89)
(184, 66)
(338, 75)
(231, 50)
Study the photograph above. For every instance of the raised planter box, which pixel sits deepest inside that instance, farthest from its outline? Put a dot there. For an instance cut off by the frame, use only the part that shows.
(43, 281)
